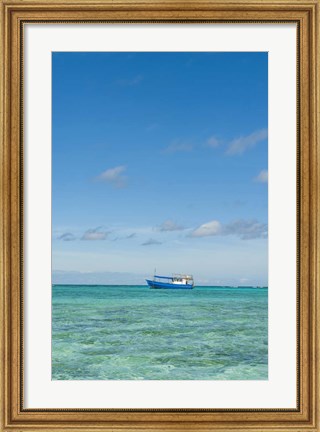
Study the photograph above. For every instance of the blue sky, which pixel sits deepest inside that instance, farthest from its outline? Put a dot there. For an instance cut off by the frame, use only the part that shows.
(160, 160)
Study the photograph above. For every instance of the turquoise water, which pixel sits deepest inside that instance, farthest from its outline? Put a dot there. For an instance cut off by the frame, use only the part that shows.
(136, 333)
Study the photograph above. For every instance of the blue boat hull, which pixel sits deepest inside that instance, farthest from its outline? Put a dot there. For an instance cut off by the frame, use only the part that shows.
(163, 285)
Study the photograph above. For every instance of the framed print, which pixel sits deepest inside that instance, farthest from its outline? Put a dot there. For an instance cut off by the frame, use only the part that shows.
(159, 239)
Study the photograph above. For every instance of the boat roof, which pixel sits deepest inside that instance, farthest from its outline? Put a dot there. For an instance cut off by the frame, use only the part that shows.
(182, 276)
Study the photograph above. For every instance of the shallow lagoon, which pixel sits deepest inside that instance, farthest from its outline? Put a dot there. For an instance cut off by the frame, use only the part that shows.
(136, 333)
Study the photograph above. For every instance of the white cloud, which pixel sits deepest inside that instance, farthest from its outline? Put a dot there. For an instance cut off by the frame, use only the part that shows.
(67, 237)
(208, 229)
(169, 225)
(262, 177)
(213, 142)
(130, 236)
(244, 280)
(124, 237)
(241, 144)
(114, 176)
(94, 234)
(151, 242)
(245, 229)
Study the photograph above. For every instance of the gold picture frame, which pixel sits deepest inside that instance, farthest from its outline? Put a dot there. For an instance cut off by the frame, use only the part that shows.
(14, 417)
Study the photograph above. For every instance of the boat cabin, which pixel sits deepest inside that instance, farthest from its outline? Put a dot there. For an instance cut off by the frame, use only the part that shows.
(182, 279)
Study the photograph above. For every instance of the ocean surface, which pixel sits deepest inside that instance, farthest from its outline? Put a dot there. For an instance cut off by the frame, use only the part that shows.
(137, 333)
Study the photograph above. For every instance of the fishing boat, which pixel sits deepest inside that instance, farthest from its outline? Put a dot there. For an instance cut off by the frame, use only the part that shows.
(176, 281)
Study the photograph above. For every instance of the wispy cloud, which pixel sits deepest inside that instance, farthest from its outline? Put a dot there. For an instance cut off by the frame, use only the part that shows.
(245, 229)
(213, 142)
(114, 176)
(178, 146)
(126, 237)
(244, 143)
(262, 177)
(67, 237)
(127, 82)
(151, 242)
(170, 225)
(95, 234)
(130, 236)
(208, 229)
